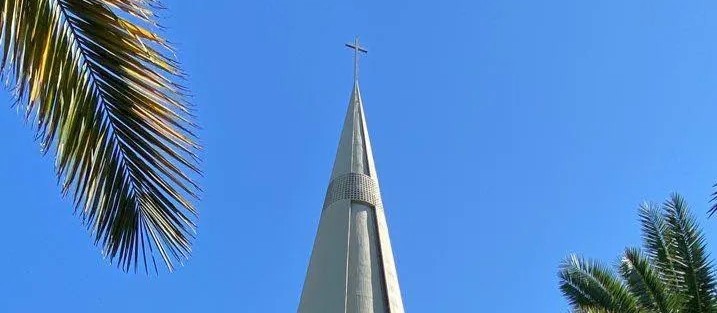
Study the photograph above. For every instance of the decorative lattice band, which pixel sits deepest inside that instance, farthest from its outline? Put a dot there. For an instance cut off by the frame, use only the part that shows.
(353, 186)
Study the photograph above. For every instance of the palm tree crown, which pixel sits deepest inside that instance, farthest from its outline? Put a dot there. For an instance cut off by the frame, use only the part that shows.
(671, 274)
(99, 85)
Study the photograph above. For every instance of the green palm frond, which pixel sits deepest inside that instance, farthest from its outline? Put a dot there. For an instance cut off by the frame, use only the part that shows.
(690, 257)
(658, 245)
(99, 85)
(593, 310)
(672, 275)
(645, 282)
(587, 284)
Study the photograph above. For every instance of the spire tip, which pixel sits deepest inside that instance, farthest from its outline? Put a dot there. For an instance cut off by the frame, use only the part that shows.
(357, 50)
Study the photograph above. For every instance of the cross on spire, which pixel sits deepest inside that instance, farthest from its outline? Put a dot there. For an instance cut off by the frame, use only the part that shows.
(357, 50)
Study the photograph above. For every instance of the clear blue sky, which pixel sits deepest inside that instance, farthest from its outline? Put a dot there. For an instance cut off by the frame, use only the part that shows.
(507, 134)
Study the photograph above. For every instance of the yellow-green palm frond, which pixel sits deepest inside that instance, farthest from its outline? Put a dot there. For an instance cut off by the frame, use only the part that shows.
(100, 86)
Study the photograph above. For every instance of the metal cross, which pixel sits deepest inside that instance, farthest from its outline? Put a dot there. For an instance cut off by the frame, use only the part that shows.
(357, 49)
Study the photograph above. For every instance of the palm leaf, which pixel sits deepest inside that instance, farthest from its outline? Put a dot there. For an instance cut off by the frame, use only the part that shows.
(673, 275)
(645, 282)
(690, 257)
(658, 245)
(588, 285)
(99, 85)
(593, 310)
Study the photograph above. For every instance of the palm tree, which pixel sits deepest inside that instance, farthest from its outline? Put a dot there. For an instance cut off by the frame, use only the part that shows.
(670, 275)
(99, 85)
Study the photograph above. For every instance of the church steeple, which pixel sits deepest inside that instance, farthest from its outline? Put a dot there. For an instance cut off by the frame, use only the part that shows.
(354, 152)
(352, 269)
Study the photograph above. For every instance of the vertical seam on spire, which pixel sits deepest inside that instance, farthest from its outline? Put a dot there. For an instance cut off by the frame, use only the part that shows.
(382, 270)
(348, 258)
(368, 152)
(364, 137)
(354, 109)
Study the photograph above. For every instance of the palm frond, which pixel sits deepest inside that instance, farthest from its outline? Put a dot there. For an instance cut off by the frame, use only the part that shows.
(589, 285)
(691, 257)
(672, 275)
(645, 282)
(593, 310)
(657, 244)
(100, 87)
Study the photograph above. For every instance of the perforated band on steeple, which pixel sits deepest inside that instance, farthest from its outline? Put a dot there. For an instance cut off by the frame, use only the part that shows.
(353, 186)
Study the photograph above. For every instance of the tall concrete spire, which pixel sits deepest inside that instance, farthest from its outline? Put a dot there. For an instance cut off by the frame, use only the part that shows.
(352, 269)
